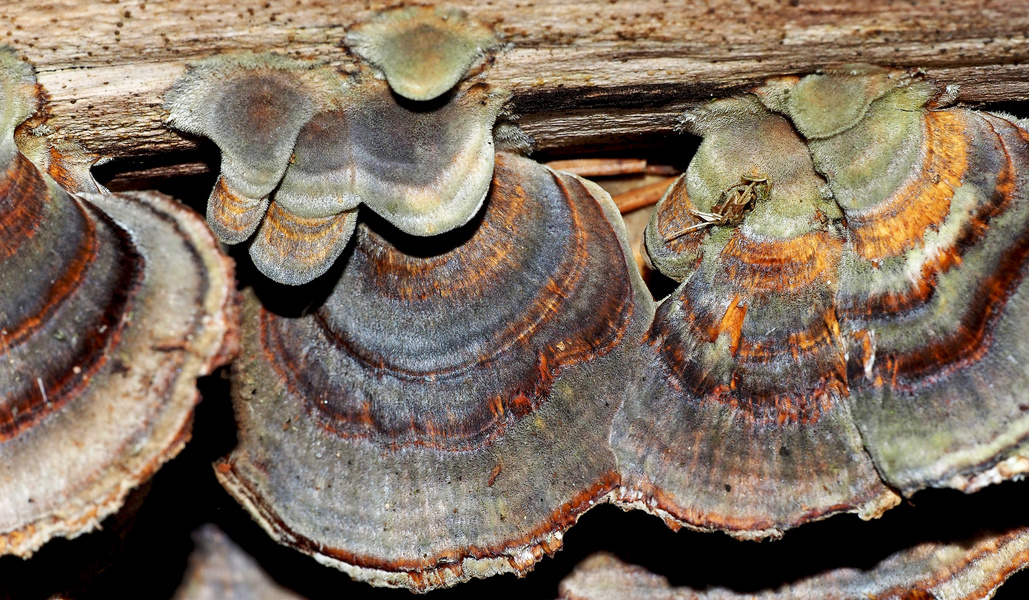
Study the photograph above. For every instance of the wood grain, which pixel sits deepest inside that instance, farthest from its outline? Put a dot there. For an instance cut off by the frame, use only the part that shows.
(582, 73)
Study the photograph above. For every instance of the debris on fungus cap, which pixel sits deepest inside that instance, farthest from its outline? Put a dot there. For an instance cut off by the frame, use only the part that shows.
(445, 413)
(931, 297)
(745, 361)
(879, 317)
(422, 50)
(110, 307)
(252, 107)
(967, 570)
(221, 570)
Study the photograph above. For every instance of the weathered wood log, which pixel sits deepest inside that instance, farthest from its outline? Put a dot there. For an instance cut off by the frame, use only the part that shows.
(581, 73)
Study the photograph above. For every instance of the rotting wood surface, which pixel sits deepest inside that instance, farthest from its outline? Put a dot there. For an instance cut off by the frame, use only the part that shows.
(582, 73)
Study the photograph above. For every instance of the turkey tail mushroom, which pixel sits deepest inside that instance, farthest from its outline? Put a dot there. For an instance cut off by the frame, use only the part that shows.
(110, 308)
(425, 169)
(931, 292)
(745, 361)
(323, 142)
(444, 415)
(252, 106)
(423, 51)
(903, 319)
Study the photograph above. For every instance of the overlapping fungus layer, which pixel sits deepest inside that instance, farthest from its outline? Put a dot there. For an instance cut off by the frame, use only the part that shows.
(865, 309)
(1003, 145)
(498, 314)
(846, 323)
(418, 150)
(746, 360)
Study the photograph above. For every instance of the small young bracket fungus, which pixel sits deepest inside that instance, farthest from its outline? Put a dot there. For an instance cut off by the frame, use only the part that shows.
(966, 570)
(445, 415)
(110, 307)
(870, 308)
(324, 143)
(426, 170)
(422, 50)
(252, 106)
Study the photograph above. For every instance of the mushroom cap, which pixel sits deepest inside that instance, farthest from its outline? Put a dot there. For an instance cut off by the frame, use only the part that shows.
(883, 325)
(252, 107)
(422, 50)
(826, 104)
(745, 359)
(741, 139)
(426, 171)
(965, 570)
(110, 307)
(102, 350)
(319, 181)
(294, 250)
(444, 415)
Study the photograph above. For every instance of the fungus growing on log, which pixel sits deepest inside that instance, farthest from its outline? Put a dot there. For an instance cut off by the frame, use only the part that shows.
(324, 142)
(424, 169)
(110, 307)
(862, 320)
(445, 413)
(252, 106)
(931, 301)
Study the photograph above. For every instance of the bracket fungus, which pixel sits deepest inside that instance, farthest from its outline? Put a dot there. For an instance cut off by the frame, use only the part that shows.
(319, 143)
(745, 359)
(858, 328)
(110, 307)
(423, 51)
(445, 414)
(252, 107)
(969, 569)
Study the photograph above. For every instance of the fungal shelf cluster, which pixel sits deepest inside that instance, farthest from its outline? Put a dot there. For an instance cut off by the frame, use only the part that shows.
(489, 364)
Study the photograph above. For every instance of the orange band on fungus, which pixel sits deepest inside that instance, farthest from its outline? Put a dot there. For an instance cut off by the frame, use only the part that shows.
(781, 266)
(899, 222)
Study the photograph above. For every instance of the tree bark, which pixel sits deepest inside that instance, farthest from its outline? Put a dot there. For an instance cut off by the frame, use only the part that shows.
(581, 73)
